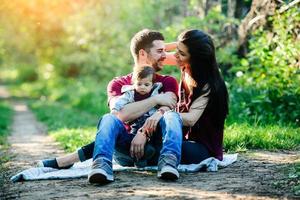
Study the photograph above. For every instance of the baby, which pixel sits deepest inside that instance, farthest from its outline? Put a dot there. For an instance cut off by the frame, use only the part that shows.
(143, 87)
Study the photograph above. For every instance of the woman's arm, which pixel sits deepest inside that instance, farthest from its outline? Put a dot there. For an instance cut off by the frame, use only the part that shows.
(171, 46)
(170, 59)
(170, 56)
(196, 110)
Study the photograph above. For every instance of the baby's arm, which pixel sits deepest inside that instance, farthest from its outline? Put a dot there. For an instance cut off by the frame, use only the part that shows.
(121, 101)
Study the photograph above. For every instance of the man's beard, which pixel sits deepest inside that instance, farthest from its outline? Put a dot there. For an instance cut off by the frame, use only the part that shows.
(155, 64)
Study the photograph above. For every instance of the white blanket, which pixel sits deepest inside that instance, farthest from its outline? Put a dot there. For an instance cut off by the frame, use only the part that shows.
(82, 169)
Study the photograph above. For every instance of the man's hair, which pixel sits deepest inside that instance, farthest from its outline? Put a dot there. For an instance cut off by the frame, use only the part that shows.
(143, 40)
(143, 72)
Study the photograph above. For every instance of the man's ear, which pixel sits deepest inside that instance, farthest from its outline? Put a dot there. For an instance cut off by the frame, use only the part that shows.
(142, 56)
(142, 53)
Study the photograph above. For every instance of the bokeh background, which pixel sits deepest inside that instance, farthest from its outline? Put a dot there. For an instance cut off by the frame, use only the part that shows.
(59, 55)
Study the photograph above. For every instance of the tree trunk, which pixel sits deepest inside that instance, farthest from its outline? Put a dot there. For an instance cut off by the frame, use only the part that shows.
(201, 10)
(185, 4)
(231, 6)
(257, 16)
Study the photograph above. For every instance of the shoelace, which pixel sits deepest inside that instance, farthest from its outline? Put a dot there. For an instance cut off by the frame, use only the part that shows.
(168, 159)
(102, 164)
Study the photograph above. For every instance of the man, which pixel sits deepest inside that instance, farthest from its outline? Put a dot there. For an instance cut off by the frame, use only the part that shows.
(147, 47)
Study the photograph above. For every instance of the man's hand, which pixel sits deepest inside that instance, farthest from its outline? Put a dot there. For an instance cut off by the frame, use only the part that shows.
(166, 99)
(138, 144)
(150, 124)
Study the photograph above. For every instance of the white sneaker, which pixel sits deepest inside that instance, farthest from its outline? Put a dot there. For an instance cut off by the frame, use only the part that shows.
(168, 173)
(101, 172)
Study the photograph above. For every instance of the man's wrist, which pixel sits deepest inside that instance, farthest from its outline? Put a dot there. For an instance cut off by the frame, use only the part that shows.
(146, 136)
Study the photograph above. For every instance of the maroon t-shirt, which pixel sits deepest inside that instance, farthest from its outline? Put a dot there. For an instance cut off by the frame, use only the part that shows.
(114, 87)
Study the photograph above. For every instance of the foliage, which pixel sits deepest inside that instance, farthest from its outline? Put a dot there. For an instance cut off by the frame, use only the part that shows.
(70, 127)
(68, 56)
(67, 126)
(244, 136)
(58, 116)
(72, 139)
(6, 113)
(267, 84)
(85, 94)
(214, 23)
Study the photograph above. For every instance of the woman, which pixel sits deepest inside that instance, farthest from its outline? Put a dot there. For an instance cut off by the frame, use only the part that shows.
(203, 102)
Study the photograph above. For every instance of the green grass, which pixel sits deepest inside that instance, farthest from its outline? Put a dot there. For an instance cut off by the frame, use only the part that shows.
(72, 128)
(6, 114)
(71, 139)
(241, 137)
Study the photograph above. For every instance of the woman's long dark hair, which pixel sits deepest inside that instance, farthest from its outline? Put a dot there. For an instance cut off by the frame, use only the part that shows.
(205, 70)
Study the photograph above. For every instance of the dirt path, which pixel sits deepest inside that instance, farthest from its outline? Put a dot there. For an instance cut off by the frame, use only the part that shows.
(252, 177)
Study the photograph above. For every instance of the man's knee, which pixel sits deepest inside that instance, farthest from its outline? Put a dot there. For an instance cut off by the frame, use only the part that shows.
(171, 117)
(109, 119)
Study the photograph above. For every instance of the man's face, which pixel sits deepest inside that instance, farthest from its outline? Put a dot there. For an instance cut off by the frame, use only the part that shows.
(156, 55)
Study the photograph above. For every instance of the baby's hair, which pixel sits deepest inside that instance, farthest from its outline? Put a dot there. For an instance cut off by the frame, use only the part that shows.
(143, 72)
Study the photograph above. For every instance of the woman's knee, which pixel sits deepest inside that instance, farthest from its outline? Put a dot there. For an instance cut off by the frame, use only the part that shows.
(193, 152)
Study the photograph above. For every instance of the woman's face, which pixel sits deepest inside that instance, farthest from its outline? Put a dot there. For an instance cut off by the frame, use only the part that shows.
(182, 55)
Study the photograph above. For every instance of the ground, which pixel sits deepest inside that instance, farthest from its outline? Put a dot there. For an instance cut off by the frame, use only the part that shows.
(254, 176)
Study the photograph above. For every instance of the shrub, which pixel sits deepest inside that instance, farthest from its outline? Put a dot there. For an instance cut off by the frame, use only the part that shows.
(267, 82)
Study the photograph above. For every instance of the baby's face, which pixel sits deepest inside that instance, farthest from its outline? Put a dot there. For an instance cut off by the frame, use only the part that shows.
(143, 86)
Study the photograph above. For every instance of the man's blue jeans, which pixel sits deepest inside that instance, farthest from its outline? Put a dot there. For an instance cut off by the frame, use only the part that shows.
(112, 133)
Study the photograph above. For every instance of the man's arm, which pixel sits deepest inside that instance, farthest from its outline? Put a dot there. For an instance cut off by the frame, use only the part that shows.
(134, 110)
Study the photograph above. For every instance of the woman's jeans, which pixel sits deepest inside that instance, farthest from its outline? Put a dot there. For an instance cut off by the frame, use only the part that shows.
(112, 133)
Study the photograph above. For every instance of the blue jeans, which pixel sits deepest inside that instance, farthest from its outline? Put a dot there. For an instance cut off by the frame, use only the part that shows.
(111, 133)
(171, 128)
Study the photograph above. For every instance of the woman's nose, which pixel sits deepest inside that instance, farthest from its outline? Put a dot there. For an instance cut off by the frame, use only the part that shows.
(176, 54)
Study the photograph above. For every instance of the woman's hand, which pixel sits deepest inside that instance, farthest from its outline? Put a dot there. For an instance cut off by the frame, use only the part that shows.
(150, 124)
(138, 144)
